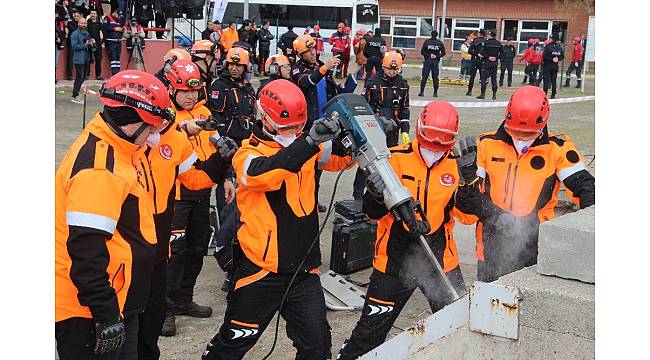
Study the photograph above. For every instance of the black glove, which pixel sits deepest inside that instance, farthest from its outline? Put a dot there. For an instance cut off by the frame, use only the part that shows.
(376, 185)
(210, 124)
(226, 146)
(323, 130)
(111, 335)
(467, 159)
(389, 124)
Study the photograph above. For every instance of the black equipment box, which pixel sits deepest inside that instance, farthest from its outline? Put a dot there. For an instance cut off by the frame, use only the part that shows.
(353, 239)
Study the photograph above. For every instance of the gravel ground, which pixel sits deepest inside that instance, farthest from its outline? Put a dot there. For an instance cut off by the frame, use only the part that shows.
(576, 119)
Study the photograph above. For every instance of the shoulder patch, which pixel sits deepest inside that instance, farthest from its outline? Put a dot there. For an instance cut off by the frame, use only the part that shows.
(295, 71)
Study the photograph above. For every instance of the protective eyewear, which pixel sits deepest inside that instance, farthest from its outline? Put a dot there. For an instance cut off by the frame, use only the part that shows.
(193, 83)
(522, 134)
(442, 137)
(291, 129)
(110, 93)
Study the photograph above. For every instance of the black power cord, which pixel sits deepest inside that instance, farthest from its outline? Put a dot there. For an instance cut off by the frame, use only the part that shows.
(302, 263)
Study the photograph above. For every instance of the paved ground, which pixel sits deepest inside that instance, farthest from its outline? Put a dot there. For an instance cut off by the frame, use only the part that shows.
(577, 119)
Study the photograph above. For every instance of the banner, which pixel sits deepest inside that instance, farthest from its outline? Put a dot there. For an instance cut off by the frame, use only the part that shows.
(367, 12)
(219, 9)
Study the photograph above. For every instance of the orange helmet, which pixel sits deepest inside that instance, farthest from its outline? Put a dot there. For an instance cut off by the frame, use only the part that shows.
(184, 75)
(140, 91)
(303, 43)
(527, 112)
(283, 107)
(176, 53)
(437, 126)
(277, 59)
(237, 55)
(201, 48)
(392, 60)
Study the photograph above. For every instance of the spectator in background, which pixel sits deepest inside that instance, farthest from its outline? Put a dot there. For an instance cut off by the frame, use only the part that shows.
(244, 31)
(71, 27)
(264, 37)
(96, 5)
(143, 11)
(120, 6)
(576, 63)
(59, 33)
(82, 44)
(64, 9)
(318, 38)
(113, 31)
(358, 44)
(252, 37)
(340, 41)
(229, 36)
(95, 30)
(373, 52)
(286, 43)
(465, 59)
(132, 33)
(81, 6)
(160, 18)
(346, 53)
(205, 34)
(508, 53)
(215, 35)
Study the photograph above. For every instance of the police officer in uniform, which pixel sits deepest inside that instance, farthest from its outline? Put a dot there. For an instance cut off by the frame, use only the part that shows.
(113, 30)
(552, 55)
(491, 53)
(432, 50)
(373, 52)
(475, 50)
(508, 53)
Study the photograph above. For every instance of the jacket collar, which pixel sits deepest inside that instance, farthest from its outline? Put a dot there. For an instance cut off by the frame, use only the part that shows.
(102, 130)
(260, 137)
(416, 149)
(502, 135)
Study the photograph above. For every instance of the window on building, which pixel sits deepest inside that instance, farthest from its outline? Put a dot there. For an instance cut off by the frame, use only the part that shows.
(448, 22)
(404, 32)
(463, 27)
(425, 27)
(384, 24)
(510, 29)
(532, 29)
(559, 29)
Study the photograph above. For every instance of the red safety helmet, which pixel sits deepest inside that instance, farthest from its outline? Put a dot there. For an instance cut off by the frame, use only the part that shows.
(360, 32)
(316, 27)
(347, 29)
(527, 112)
(283, 107)
(437, 126)
(141, 91)
(184, 75)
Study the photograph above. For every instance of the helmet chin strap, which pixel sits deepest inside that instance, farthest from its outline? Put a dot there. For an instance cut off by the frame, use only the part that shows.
(121, 133)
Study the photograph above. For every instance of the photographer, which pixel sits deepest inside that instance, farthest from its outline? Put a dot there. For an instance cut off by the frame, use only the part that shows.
(82, 44)
(134, 31)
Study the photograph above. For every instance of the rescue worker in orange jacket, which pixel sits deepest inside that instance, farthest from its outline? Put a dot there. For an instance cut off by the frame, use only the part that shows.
(276, 175)
(521, 166)
(190, 224)
(169, 58)
(105, 238)
(429, 170)
(172, 157)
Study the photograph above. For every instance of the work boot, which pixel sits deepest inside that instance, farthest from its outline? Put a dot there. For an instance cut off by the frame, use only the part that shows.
(525, 80)
(226, 285)
(192, 309)
(500, 83)
(494, 96)
(482, 96)
(169, 326)
(468, 93)
(552, 95)
(421, 94)
(579, 84)
(435, 94)
(567, 82)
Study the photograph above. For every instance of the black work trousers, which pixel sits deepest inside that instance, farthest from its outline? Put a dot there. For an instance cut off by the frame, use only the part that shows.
(489, 70)
(114, 51)
(374, 62)
(75, 340)
(153, 317)
(96, 57)
(533, 74)
(386, 297)
(187, 248)
(430, 66)
(576, 68)
(80, 73)
(251, 307)
(549, 74)
(474, 66)
(506, 65)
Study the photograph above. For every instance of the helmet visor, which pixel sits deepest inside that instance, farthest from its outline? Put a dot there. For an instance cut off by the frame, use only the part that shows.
(436, 135)
(522, 134)
(289, 129)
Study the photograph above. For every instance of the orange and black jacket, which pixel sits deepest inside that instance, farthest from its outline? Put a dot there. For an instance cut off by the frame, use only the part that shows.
(104, 233)
(276, 198)
(389, 97)
(435, 188)
(232, 102)
(202, 148)
(174, 159)
(526, 185)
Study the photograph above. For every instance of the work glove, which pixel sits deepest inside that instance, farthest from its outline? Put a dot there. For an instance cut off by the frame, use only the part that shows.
(323, 130)
(467, 160)
(389, 124)
(406, 138)
(225, 146)
(376, 185)
(111, 335)
(209, 124)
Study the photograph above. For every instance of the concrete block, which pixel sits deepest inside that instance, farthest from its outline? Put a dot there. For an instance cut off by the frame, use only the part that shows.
(567, 246)
(465, 238)
(553, 304)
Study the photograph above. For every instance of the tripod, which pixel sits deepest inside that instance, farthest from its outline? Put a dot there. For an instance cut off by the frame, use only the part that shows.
(139, 55)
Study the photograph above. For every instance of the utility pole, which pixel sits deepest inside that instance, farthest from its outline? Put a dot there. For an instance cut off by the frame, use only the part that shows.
(442, 30)
(246, 9)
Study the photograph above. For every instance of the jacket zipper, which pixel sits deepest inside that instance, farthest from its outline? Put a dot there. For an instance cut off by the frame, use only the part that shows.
(505, 190)
(146, 178)
(418, 193)
(153, 184)
(426, 190)
(379, 242)
(514, 179)
(266, 249)
(449, 243)
(300, 186)
(119, 269)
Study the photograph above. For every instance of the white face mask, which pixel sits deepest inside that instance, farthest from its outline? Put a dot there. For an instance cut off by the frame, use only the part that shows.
(153, 140)
(284, 140)
(430, 156)
(522, 145)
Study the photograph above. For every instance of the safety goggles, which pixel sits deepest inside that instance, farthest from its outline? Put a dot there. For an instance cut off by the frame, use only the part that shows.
(110, 93)
(291, 129)
(193, 83)
(441, 137)
(522, 134)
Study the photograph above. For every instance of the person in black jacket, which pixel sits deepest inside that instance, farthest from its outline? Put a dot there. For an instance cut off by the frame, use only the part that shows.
(96, 32)
(72, 26)
(264, 38)
(508, 53)
(286, 43)
(432, 50)
(244, 31)
(552, 55)
(205, 34)
(490, 55)
(475, 62)
(374, 50)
